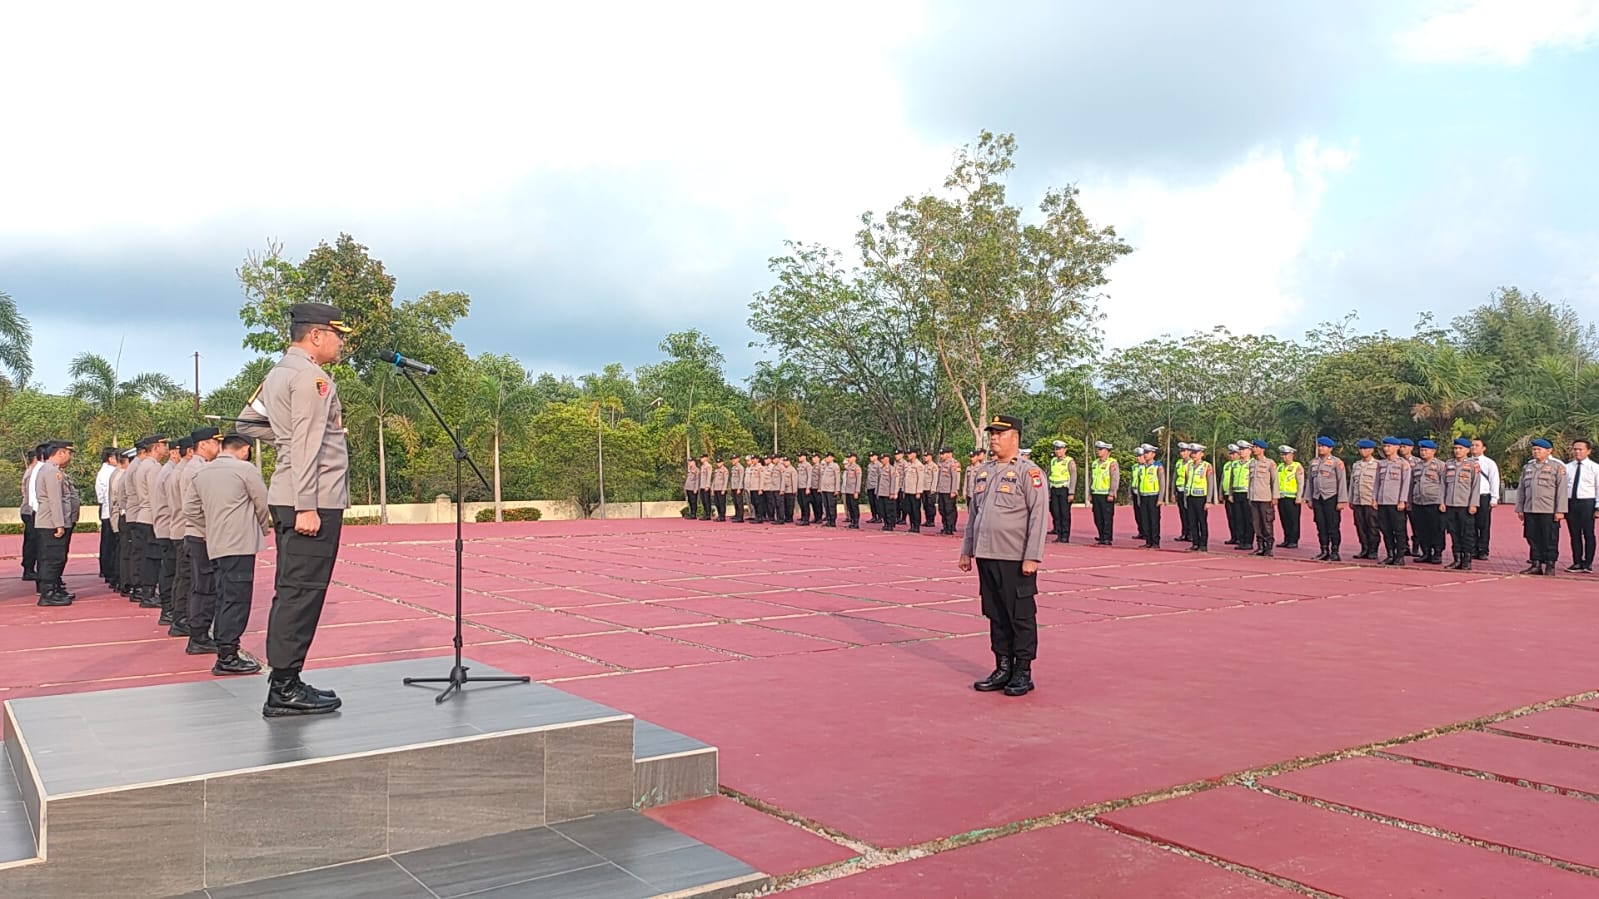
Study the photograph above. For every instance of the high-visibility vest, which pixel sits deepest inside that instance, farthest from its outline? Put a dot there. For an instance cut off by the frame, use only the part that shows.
(1101, 471)
(1288, 479)
(1198, 478)
(1060, 470)
(1149, 480)
(1180, 475)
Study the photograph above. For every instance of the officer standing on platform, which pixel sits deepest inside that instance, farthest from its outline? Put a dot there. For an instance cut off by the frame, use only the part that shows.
(1290, 495)
(297, 408)
(1462, 492)
(1542, 501)
(1363, 499)
(1393, 499)
(1062, 472)
(1329, 494)
(1005, 535)
(1201, 492)
(1427, 502)
(1104, 481)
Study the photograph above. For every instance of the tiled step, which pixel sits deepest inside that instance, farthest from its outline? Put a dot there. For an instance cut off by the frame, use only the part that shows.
(16, 821)
(617, 855)
(670, 767)
(194, 768)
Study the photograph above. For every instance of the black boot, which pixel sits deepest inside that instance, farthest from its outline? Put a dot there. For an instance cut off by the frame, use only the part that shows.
(1021, 679)
(180, 626)
(148, 599)
(1465, 562)
(1324, 553)
(1000, 676)
(166, 617)
(1533, 568)
(1334, 556)
(54, 598)
(200, 646)
(287, 695)
(231, 662)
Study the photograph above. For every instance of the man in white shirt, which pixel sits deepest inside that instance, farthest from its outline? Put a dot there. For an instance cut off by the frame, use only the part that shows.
(1490, 483)
(1582, 473)
(102, 495)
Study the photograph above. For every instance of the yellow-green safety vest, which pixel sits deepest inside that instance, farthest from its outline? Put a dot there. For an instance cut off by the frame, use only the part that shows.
(1183, 467)
(1060, 470)
(1288, 479)
(1149, 480)
(1101, 471)
(1198, 478)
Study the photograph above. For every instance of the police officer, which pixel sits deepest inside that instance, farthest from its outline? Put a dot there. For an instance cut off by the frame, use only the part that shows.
(1132, 493)
(827, 483)
(1462, 492)
(802, 482)
(949, 485)
(1200, 493)
(691, 489)
(910, 497)
(789, 485)
(1393, 499)
(1062, 472)
(735, 488)
(297, 408)
(1149, 485)
(852, 480)
(1179, 489)
(1104, 481)
(1238, 497)
(54, 515)
(118, 501)
(772, 486)
(1005, 535)
(1542, 501)
(102, 496)
(1263, 494)
(1363, 499)
(1291, 490)
(1329, 495)
(162, 517)
(197, 593)
(176, 615)
(225, 506)
(702, 483)
(719, 489)
(1427, 502)
(873, 468)
(1490, 497)
(146, 554)
(1407, 451)
(889, 480)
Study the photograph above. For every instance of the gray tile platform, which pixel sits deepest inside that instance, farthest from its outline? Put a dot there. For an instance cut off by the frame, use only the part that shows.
(670, 767)
(617, 855)
(16, 823)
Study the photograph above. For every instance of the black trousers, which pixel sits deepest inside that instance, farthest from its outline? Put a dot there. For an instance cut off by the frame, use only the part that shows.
(1542, 533)
(1484, 522)
(1429, 523)
(1391, 521)
(852, 508)
(30, 546)
(182, 579)
(201, 608)
(1329, 524)
(1149, 504)
(829, 509)
(788, 507)
(803, 498)
(1245, 515)
(947, 511)
(705, 504)
(1060, 512)
(1462, 528)
(305, 566)
(1288, 512)
(888, 510)
(147, 568)
(871, 501)
(774, 506)
(693, 503)
(929, 508)
(910, 510)
(719, 497)
(235, 583)
(1198, 515)
(108, 551)
(1184, 525)
(1263, 521)
(1104, 516)
(50, 558)
(1136, 502)
(124, 541)
(1579, 521)
(1368, 527)
(1010, 602)
(738, 505)
(168, 571)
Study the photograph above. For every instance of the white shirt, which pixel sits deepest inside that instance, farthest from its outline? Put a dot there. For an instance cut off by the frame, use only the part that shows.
(33, 487)
(1585, 477)
(1490, 478)
(102, 488)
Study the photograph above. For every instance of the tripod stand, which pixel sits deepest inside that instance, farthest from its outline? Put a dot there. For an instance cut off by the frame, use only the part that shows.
(458, 677)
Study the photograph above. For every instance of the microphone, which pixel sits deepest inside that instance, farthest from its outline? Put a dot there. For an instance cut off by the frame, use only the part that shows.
(412, 364)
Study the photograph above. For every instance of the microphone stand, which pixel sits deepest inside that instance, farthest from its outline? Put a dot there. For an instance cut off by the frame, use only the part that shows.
(458, 678)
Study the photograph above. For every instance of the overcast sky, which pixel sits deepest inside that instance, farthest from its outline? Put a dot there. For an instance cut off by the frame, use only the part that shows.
(598, 176)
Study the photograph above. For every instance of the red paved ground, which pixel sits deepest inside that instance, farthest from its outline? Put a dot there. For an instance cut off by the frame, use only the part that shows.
(833, 670)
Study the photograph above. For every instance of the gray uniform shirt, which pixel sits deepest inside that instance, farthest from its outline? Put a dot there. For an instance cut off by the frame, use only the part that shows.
(162, 515)
(1363, 482)
(27, 474)
(186, 473)
(1393, 482)
(51, 488)
(790, 483)
(691, 479)
(1263, 487)
(226, 503)
(704, 482)
(719, 479)
(1427, 482)
(827, 478)
(297, 408)
(1543, 488)
(735, 477)
(1328, 479)
(852, 479)
(1009, 512)
(1462, 483)
(138, 509)
(802, 476)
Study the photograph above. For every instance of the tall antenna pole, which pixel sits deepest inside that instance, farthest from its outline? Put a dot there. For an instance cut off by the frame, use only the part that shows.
(196, 382)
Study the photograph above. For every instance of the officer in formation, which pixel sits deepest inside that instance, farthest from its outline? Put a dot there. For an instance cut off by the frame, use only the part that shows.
(54, 502)
(1148, 488)
(1490, 497)
(297, 408)
(1542, 501)
(1062, 473)
(33, 458)
(1104, 482)
(227, 518)
(1263, 492)
(1199, 491)
(1583, 475)
(1462, 492)
(102, 496)
(1427, 503)
(1005, 537)
(1329, 496)
(1290, 495)
(1393, 500)
(1235, 493)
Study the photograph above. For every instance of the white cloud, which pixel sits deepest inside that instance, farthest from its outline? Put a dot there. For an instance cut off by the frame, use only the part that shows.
(1225, 252)
(1505, 32)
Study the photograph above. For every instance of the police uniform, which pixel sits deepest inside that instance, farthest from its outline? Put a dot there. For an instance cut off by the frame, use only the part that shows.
(873, 470)
(1393, 496)
(802, 488)
(119, 498)
(1426, 504)
(1149, 485)
(1542, 499)
(827, 483)
(1462, 492)
(1201, 492)
(949, 485)
(53, 499)
(702, 483)
(1240, 513)
(225, 506)
(1329, 493)
(852, 477)
(193, 616)
(1363, 500)
(1263, 492)
(145, 553)
(889, 481)
(177, 611)
(1407, 449)
(735, 488)
(162, 517)
(719, 489)
(1062, 473)
(772, 486)
(1179, 490)
(1291, 490)
(297, 407)
(102, 498)
(910, 496)
(691, 489)
(1005, 527)
(790, 488)
(1104, 481)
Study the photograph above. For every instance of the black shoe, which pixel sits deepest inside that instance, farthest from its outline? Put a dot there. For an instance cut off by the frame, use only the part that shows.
(54, 599)
(1429, 558)
(1229, 543)
(150, 601)
(1334, 556)
(854, 527)
(166, 617)
(286, 698)
(1532, 568)
(65, 592)
(1575, 566)
(1480, 556)
(232, 662)
(1465, 562)
(1454, 563)
(179, 628)
(29, 576)
(1294, 545)
(1021, 680)
(200, 646)
(997, 679)
(1324, 554)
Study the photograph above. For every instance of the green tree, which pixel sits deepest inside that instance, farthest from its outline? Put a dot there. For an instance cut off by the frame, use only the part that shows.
(1443, 384)
(16, 344)
(565, 443)
(1517, 330)
(108, 399)
(995, 300)
(503, 404)
(1551, 399)
(343, 275)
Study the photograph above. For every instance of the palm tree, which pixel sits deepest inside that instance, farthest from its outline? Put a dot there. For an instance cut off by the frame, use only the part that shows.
(1555, 398)
(16, 342)
(778, 388)
(1443, 384)
(94, 381)
(504, 403)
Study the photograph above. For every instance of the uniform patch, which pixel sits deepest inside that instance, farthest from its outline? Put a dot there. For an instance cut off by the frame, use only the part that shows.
(1004, 488)
(321, 387)
(1038, 479)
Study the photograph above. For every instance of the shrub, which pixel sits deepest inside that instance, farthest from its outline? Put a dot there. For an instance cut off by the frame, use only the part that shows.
(521, 513)
(362, 519)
